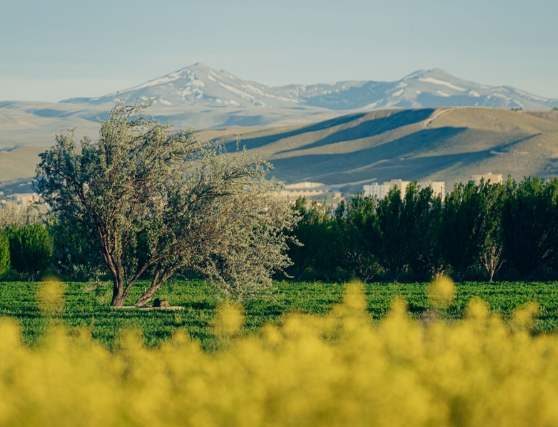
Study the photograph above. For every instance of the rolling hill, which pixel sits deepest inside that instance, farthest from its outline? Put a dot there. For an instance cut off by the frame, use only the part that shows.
(448, 144)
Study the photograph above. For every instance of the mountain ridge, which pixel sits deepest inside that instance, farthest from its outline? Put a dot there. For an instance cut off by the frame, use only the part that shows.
(201, 85)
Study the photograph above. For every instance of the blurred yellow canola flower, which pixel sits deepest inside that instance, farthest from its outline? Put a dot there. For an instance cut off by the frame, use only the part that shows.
(50, 296)
(442, 292)
(228, 320)
(342, 369)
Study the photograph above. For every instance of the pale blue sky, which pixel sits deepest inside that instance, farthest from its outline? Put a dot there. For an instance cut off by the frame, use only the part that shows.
(56, 49)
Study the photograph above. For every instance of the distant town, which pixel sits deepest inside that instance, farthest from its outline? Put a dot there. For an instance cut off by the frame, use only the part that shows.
(320, 191)
(310, 190)
(17, 193)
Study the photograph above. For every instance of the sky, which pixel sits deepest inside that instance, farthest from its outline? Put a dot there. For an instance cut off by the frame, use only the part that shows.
(58, 49)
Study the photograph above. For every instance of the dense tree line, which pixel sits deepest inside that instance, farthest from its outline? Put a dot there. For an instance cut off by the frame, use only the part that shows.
(507, 230)
(479, 232)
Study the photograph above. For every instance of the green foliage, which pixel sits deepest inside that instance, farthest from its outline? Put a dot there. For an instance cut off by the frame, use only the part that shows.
(424, 214)
(530, 225)
(478, 230)
(153, 201)
(30, 249)
(4, 253)
(408, 232)
(319, 237)
(358, 223)
(471, 224)
(392, 234)
(73, 254)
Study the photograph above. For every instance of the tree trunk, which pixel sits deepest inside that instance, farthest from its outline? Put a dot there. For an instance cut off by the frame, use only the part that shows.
(118, 296)
(118, 293)
(147, 295)
(155, 286)
(492, 260)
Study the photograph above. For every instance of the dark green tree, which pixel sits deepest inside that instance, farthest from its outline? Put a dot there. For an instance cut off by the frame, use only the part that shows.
(494, 197)
(330, 244)
(393, 239)
(471, 227)
(4, 253)
(73, 254)
(530, 225)
(358, 224)
(30, 249)
(318, 234)
(302, 253)
(423, 212)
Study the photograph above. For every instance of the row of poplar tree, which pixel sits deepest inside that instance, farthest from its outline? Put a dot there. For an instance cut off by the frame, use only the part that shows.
(25, 251)
(507, 230)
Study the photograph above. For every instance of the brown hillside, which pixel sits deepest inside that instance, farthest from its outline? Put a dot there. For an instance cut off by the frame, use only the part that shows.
(19, 162)
(450, 144)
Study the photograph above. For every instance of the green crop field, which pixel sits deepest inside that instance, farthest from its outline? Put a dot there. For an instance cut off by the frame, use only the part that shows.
(86, 306)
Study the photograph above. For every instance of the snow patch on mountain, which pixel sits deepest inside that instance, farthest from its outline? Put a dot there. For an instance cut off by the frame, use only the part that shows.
(156, 82)
(201, 85)
(443, 83)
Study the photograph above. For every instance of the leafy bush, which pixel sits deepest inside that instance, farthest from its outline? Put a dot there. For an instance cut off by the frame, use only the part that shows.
(30, 249)
(4, 253)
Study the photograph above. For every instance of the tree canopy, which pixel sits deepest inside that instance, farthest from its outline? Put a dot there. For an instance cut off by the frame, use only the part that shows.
(153, 201)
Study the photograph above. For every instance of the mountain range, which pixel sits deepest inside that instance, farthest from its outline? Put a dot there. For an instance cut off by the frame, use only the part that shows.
(201, 85)
(428, 125)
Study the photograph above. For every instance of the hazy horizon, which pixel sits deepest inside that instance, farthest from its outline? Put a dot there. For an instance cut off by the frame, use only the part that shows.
(61, 49)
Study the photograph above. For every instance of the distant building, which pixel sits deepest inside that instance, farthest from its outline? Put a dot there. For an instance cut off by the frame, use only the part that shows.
(310, 190)
(23, 199)
(493, 178)
(380, 191)
(438, 187)
(304, 184)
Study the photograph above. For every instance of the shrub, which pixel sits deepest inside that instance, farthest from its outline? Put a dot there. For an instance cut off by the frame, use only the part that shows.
(30, 249)
(4, 253)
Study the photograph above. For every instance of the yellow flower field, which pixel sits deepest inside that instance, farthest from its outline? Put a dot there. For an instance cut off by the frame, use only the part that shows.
(343, 369)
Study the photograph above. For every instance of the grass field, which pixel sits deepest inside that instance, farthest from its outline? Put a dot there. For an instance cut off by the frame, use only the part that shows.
(86, 306)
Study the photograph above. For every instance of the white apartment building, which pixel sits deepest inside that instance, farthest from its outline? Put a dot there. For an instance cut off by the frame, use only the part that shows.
(382, 190)
(438, 187)
(494, 178)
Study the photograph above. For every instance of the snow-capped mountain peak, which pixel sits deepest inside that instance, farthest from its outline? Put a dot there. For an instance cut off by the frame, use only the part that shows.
(199, 84)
